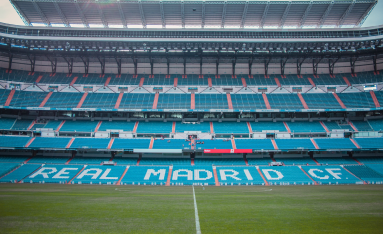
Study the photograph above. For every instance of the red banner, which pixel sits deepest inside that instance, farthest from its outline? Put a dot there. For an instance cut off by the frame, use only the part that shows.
(227, 151)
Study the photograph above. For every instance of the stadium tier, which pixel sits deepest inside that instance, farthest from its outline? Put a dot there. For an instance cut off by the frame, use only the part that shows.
(181, 174)
(187, 101)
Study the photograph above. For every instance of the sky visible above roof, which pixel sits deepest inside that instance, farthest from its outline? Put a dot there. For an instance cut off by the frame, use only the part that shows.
(9, 15)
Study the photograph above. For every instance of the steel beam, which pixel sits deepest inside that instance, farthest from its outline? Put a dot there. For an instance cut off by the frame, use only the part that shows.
(70, 64)
(183, 13)
(331, 65)
(23, 17)
(307, 12)
(374, 63)
(285, 14)
(326, 13)
(53, 64)
(122, 15)
(361, 20)
(32, 59)
(203, 15)
(102, 16)
(250, 65)
(266, 63)
(184, 64)
(352, 64)
(162, 14)
(83, 19)
(61, 14)
(143, 21)
(10, 56)
(42, 15)
(283, 65)
(299, 66)
(265, 11)
(86, 65)
(102, 63)
(234, 62)
(345, 14)
(223, 14)
(315, 65)
(244, 13)
(135, 62)
(118, 61)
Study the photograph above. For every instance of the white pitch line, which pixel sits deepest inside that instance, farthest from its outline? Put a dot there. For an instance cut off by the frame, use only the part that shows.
(197, 226)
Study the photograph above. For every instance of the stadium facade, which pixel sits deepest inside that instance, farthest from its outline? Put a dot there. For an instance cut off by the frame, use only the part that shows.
(203, 92)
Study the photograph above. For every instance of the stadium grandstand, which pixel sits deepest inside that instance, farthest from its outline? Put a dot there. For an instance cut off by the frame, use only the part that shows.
(186, 95)
(191, 86)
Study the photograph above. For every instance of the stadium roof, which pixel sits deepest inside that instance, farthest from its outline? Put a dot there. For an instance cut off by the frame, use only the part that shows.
(194, 14)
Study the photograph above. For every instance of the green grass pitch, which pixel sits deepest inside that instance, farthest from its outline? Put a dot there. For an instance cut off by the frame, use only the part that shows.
(54, 208)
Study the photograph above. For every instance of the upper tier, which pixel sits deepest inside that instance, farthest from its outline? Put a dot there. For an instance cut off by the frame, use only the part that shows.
(190, 79)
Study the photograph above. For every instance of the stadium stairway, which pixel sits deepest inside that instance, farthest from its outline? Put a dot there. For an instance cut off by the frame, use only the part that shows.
(339, 100)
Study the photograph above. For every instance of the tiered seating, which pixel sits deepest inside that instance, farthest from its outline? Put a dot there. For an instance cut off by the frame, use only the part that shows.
(288, 144)
(370, 160)
(4, 93)
(362, 125)
(9, 159)
(13, 141)
(237, 176)
(171, 144)
(92, 78)
(192, 80)
(22, 124)
(100, 175)
(50, 142)
(284, 101)
(370, 143)
(325, 79)
(285, 175)
(225, 80)
(300, 126)
(59, 78)
(219, 161)
(247, 101)
(186, 175)
(37, 125)
(211, 101)
(164, 161)
(334, 126)
(117, 125)
(376, 124)
(296, 161)
(364, 78)
(330, 175)
(174, 101)
(259, 161)
(88, 160)
(120, 143)
(90, 143)
(126, 79)
(100, 100)
(17, 75)
(230, 127)
(202, 127)
(7, 167)
(139, 175)
(125, 161)
(20, 173)
(321, 101)
(51, 171)
(6, 123)
(292, 80)
(259, 79)
(159, 79)
(335, 160)
(137, 101)
(27, 99)
(365, 173)
(215, 144)
(357, 100)
(63, 100)
(79, 126)
(154, 127)
(256, 144)
(334, 143)
(379, 96)
(49, 160)
(260, 126)
(53, 124)
(376, 167)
